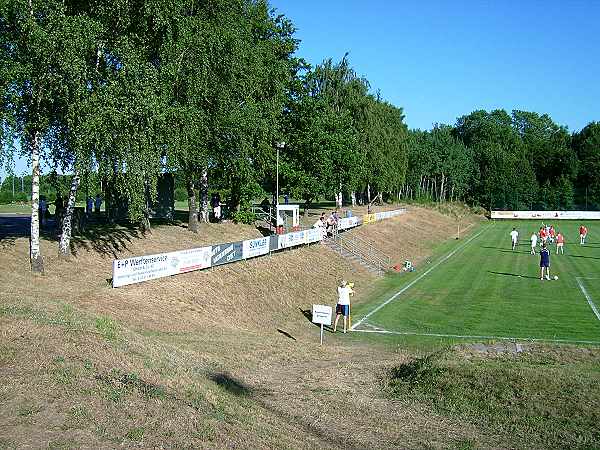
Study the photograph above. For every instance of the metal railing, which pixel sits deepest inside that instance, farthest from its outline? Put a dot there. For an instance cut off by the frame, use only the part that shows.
(363, 250)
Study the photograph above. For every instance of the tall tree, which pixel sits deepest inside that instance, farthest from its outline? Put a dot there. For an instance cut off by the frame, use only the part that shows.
(586, 145)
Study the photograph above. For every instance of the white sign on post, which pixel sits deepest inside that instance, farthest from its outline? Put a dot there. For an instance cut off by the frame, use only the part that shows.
(322, 315)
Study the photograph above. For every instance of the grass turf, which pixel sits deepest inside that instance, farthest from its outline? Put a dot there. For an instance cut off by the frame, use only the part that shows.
(486, 289)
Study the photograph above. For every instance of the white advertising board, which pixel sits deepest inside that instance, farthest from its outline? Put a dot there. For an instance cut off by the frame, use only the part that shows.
(313, 235)
(347, 222)
(389, 214)
(255, 247)
(548, 215)
(322, 314)
(144, 268)
(292, 239)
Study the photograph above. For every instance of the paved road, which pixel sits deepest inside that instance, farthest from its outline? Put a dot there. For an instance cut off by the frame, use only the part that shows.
(17, 225)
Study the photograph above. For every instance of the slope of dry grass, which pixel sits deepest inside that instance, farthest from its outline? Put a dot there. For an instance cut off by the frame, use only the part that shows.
(218, 358)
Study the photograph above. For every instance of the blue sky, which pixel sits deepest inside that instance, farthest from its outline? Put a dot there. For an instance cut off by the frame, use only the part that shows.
(442, 59)
(439, 60)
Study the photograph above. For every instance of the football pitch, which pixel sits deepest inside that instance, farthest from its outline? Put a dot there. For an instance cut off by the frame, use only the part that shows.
(478, 288)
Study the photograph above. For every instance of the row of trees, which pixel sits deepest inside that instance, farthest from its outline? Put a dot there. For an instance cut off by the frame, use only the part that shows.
(120, 91)
(125, 90)
(494, 159)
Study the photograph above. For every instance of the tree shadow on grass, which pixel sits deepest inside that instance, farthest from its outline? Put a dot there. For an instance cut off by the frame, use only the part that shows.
(105, 239)
(240, 389)
(506, 250)
(513, 275)
(230, 384)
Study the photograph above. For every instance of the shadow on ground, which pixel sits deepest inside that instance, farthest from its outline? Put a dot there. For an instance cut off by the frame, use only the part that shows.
(512, 275)
(105, 239)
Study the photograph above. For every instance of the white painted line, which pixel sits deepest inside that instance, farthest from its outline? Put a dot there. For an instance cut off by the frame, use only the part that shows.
(588, 298)
(466, 336)
(409, 285)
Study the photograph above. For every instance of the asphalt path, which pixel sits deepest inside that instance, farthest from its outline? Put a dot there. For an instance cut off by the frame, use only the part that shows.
(18, 225)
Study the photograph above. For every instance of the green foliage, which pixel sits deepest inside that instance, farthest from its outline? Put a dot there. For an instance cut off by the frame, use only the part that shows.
(244, 215)
(586, 145)
(180, 195)
(6, 197)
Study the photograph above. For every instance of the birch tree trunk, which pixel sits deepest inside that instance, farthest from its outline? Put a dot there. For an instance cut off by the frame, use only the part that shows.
(353, 197)
(338, 198)
(193, 224)
(64, 246)
(204, 195)
(368, 193)
(442, 193)
(35, 254)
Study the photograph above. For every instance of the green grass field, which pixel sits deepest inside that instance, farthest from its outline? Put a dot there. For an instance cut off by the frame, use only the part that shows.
(477, 287)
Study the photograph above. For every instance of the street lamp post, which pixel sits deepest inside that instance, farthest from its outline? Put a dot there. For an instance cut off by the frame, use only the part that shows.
(279, 146)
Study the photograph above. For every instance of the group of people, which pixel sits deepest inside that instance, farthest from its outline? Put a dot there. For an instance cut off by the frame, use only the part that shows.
(93, 204)
(546, 235)
(327, 225)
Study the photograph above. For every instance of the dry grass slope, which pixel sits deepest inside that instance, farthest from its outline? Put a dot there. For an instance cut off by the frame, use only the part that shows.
(213, 359)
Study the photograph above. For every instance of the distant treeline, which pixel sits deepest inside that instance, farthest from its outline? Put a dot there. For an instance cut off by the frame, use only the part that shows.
(503, 161)
(214, 92)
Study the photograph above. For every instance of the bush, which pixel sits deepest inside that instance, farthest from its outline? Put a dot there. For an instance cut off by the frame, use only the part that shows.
(21, 197)
(244, 216)
(180, 195)
(6, 197)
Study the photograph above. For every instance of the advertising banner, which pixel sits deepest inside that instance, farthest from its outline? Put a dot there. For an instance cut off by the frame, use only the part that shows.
(273, 240)
(547, 215)
(313, 235)
(368, 218)
(226, 253)
(144, 268)
(347, 222)
(255, 247)
(292, 239)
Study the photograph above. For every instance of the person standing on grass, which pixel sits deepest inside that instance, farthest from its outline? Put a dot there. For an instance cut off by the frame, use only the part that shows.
(544, 262)
(514, 236)
(560, 242)
(343, 305)
(543, 235)
(582, 234)
(533, 239)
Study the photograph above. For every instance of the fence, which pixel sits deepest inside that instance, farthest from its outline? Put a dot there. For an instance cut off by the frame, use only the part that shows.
(143, 268)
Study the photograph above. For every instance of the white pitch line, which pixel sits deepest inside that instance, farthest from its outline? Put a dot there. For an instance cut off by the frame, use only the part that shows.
(466, 336)
(405, 288)
(588, 298)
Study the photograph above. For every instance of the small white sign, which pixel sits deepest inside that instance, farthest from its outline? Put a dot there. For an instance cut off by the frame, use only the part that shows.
(322, 314)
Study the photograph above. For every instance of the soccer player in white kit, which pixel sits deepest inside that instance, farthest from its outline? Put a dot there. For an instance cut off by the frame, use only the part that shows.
(533, 239)
(514, 235)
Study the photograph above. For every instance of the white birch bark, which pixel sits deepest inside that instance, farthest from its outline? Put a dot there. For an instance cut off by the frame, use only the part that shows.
(64, 246)
(204, 196)
(35, 254)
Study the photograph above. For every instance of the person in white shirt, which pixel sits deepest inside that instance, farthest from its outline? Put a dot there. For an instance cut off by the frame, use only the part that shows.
(533, 239)
(343, 305)
(321, 225)
(514, 235)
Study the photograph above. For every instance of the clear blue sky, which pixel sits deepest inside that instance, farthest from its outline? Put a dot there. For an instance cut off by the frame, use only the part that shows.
(442, 59)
